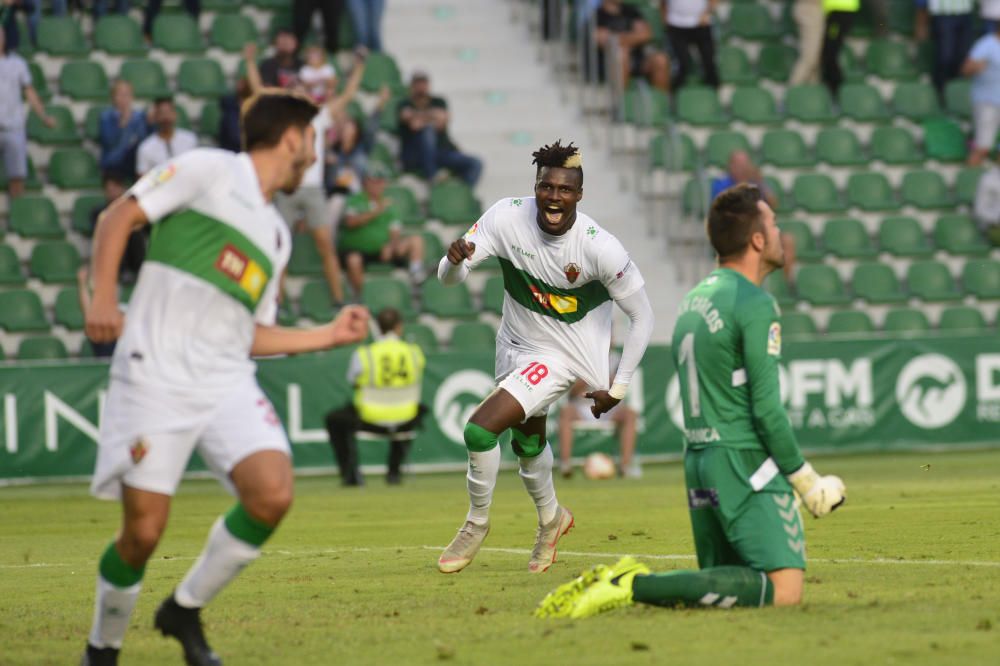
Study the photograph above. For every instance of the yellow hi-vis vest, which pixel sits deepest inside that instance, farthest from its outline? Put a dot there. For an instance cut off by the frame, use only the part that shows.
(387, 392)
(841, 6)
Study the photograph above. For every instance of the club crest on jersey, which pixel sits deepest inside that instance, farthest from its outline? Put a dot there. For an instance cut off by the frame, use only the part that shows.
(138, 451)
(241, 269)
(774, 339)
(572, 272)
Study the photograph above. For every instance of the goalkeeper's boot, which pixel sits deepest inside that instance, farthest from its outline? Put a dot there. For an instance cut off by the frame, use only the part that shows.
(546, 538)
(95, 656)
(184, 624)
(463, 547)
(559, 602)
(611, 590)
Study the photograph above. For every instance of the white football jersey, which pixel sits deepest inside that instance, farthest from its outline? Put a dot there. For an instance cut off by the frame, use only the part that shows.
(558, 290)
(212, 272)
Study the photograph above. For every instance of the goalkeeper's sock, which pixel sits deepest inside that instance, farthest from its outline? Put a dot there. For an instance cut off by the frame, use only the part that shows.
(721, 587)
(536, 473)
(233, 543)
(118, 586)
(481, 479)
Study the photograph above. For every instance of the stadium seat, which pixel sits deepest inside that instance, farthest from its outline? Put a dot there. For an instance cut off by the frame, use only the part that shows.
(10, 267)
(493, 294)
(906, 320)
(453, 202)
(92, 123)
(679, 155)
(35, 217)
(796, 325)
(805, 243)
(890, 60)
(838, 146)
(895, 145)
(147, 77)
(945, 141)
(847, 238)
(850, 67)
(931, 281)
(817, 193)
(380, 70)
(694, 199)
(786, 149)
(965, 185)
(31, 183)
(422, 336)
(83, 207)
(698, 105)
(74, 169)
(776, 60)
(904, 237)
(54, 262)
(84, 80)
(39, 81)
(406, 205)
(925, 189)
(820, 285)
(752, 21)
(61, 36)
(388, 292)
(231, 32)
(963, 318)
(849, 322)
(778, 286)
(305, 259)
(981, 278)
(120, 35)
(877, 283)
(958, 98)
(226, 6)
(472, 336)
(734, 66)
(67, 309)
(862, 103)
(722, 144)
(901, 16)
(63, 133)
(810, 104)
(916, 101)
(754, 106)
(209, 119)
(21, 312)
(871, 191)
(315, 302)
(452, 302)
(41, 348)
(958, 234)
(177, 33)
(784, 204)
(434, 249)
(645, 107)
(202, 77)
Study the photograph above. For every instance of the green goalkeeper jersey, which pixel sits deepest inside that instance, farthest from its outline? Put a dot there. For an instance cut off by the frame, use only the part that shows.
(726, 347)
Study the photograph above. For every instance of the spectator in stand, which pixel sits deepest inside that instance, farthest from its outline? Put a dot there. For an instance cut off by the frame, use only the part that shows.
(352, 141)
(809, 18)
(193, 8)
(302, 13)
(317, 75)
(622, 417)
(986, 207)
(15, 80)
(423, 133)
(840, 15)
(983, 65)
(950, 26)
(689, 23)
(8, 18)
(371, 233)
(366, 17)
(121, 130)
(640, 57)
(989, 13)
(282, 69)
(167, 142)
(228, 137)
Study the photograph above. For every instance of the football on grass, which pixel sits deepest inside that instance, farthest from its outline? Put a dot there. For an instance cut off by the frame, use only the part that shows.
(599, 466)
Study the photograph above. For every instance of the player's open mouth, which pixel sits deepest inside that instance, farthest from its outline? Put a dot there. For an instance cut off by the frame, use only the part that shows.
(553, 215)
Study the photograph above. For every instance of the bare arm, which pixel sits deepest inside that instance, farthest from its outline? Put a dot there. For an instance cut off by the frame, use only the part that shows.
(103, 318)
(253, 72)
(350, 326)
(37, 106)
(973, 67)
(340, 102)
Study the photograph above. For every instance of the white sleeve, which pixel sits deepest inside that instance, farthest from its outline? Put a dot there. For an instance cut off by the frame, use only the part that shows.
(484, 235)
(174, 184)
(619, 275)
(449, 273)
(640, 314)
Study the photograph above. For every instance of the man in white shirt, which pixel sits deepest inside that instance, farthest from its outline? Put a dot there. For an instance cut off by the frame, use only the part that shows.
(15, 78)
(689, 23)
(168, 142)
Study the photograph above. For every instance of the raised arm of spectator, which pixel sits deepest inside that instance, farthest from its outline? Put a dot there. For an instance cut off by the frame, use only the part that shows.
(921, 22)
(253, 72)
(339, 102)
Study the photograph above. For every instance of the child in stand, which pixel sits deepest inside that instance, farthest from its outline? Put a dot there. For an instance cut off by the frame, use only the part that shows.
(318, 75)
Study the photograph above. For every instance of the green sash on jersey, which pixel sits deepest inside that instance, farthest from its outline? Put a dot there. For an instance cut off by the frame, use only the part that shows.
(566, 305)
(213, 251)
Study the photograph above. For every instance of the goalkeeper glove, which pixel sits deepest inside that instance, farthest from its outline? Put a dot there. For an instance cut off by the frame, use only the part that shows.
(820, 494)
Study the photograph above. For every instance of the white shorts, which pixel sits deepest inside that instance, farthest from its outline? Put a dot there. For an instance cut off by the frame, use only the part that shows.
(536, 380)
(986, 123)
(147, 436)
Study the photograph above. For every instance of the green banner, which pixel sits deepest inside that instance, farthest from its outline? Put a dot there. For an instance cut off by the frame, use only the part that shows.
(840, 395)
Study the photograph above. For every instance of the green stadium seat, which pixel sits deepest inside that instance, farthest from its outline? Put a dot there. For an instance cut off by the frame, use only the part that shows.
(849, 322)
(901, 16)
(817, 193)
(784, 204)
(422, 336)
(202, 77)
(754, 106)
(273, 5)
(752, 21)
(700, 106)
(472, 336)
(945, 141)
(21, 311)
(406, 205)
(931, 281)
(120, 35)
(227, 6)
(694, 198)
(380, 70)
(388, 292)
(810, 104)
(862, 103)
(848, 238)
(177, 33)
(895, 145)
(61, 36)
(645, 107)
(722, 144)
(958, 234)
(147, 77)
(31, 183)
(452, 302)
(926, 189)
(877, 283)
(776, 60)
(279, 20)
(493, 294)
(67, 309)
(74, 169)
(39, 82)
(305, 259)
(54, 262)
(679, 155)
(83, 207)
(871, 191)
(41, 348)
(916, 101)
(904, 237)
(805, 242)
(778, 286)
(315, 302)
(10, 267)
(958, 98)
(63, 133)
(35, 217)
(797, 325)
(963, 318)
(92, 123)
(231, 32)
(851, 68)
(820, 285)
(209, 119)
(453, 202)
(84, 80)
(786, 149)
(906, 320)
(838, 146)
(890, 60)
(965, 185)
(981, 278)
(734, 66)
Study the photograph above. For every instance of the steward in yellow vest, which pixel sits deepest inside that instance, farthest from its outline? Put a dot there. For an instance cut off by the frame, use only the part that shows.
(839, 19)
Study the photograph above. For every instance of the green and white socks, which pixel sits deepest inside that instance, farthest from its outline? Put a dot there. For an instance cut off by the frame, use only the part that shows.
(721, 587)
(118, 586)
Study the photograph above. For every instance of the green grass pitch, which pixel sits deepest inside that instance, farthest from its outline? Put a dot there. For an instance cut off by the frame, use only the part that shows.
(908, 572)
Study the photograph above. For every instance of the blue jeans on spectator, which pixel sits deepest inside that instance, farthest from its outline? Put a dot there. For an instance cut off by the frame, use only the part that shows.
(952, 37)
(366, 16)
(421, 153)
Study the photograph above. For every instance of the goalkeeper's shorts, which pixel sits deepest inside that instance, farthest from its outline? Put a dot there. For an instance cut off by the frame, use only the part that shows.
(733, 523)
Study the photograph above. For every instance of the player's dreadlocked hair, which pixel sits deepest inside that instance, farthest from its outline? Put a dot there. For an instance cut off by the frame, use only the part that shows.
(560, 156)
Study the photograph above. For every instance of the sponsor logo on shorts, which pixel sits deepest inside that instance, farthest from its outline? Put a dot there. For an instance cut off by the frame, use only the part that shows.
(138, 451)
(774, 339)
(241, 269)
(703, 498)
